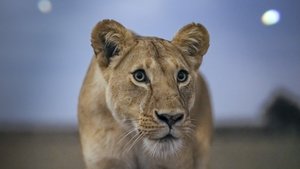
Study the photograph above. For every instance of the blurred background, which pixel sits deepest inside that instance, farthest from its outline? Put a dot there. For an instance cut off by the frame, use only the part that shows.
(252, 67)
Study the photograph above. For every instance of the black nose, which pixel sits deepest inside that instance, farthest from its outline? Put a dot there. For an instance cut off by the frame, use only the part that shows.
(170, 119)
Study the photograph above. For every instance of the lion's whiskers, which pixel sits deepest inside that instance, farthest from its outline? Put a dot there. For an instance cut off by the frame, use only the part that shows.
(122, 137)
(135, 140)
(129, 142)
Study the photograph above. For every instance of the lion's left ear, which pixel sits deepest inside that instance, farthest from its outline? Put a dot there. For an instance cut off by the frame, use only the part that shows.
(193, 40)
(109, 38)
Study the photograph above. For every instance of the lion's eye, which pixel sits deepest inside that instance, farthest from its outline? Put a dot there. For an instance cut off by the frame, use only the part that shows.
(140, 75)
(182, 76)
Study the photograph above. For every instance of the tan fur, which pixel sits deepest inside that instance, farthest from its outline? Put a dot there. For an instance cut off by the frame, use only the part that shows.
(119, 120)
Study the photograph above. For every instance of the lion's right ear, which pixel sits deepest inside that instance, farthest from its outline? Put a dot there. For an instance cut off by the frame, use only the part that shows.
(193, 40)
(108, 39)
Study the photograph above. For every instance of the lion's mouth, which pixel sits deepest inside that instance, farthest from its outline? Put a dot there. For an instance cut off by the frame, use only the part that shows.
(168, 137)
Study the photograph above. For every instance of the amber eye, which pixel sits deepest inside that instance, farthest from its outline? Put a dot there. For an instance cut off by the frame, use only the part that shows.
(182, 76)
(140, 75)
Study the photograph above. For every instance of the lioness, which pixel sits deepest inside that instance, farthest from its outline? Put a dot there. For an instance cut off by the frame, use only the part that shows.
(143, 104)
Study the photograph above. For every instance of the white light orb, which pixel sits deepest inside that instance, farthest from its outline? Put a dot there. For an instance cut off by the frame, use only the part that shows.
(45, 6)
(270, 17)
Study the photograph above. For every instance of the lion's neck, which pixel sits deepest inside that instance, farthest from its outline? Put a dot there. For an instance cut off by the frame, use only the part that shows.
(93, 104)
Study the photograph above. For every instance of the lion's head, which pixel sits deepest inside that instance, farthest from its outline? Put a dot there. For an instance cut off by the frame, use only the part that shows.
(150, 82)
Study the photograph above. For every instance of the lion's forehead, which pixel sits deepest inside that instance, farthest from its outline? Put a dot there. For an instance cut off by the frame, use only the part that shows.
(157, 55)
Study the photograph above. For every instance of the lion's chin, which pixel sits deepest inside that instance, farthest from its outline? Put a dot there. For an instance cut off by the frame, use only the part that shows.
(163, 148)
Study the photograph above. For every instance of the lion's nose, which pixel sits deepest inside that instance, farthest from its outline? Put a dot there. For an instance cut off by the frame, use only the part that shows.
(170, 119)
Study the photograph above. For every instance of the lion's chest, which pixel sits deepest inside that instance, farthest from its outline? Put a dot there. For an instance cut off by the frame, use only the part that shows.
(182, 160)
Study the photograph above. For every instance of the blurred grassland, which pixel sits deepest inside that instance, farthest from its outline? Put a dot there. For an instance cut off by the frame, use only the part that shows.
(243, 149)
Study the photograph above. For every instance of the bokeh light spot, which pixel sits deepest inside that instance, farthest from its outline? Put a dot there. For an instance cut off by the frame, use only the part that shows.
(45, 6)
(270, 17)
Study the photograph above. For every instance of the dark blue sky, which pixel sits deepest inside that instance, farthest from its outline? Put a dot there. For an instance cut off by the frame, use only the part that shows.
(43, 57)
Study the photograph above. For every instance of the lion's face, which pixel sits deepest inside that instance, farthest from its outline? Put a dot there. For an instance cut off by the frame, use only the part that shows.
(151, 92)
(150, 86)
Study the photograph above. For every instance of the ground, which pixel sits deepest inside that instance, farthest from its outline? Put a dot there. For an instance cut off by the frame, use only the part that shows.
(232, 149)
